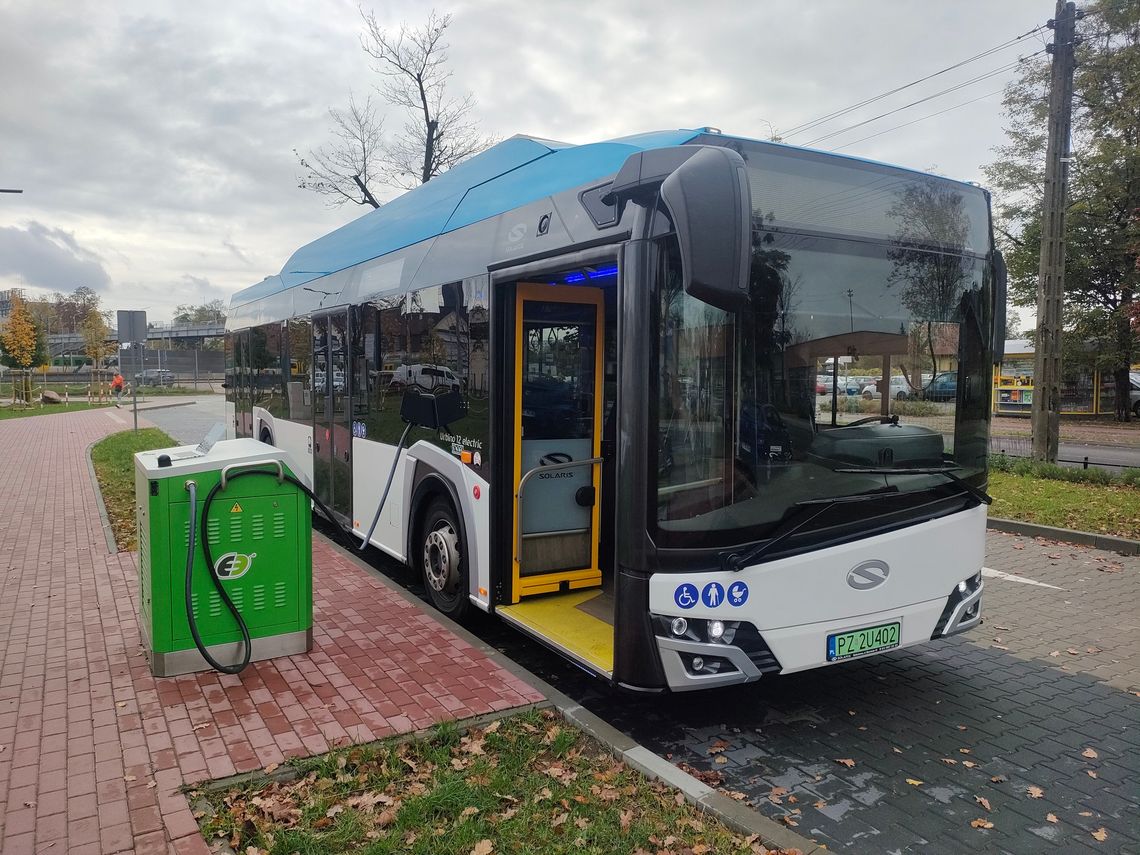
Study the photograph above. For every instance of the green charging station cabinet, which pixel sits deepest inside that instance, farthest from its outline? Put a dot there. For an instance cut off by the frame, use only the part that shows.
(261, 538)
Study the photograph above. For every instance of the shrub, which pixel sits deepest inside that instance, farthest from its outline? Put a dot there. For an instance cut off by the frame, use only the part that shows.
(1029, 468)
(914, 408)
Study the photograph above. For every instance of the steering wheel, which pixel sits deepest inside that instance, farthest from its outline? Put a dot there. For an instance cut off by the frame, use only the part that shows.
(883, 420)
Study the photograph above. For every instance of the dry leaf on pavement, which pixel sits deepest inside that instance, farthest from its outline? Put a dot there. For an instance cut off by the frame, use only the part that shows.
(914, 782)
(981, 823)
(984, 802)
(846, 761)
(1050, 817)
(1100, 834)
(1090, 773)
(1034, 792)
(1089, 753)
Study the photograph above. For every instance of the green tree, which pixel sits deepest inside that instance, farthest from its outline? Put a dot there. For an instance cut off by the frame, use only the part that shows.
(1102, 277)
(23, 346)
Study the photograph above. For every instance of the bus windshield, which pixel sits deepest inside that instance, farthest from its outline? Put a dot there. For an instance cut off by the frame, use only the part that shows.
(866, 344)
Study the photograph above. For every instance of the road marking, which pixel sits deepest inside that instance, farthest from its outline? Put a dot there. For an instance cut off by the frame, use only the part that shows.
(997, 574)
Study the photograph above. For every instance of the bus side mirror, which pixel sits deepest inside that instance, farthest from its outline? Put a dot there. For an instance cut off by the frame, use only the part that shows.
(1001, 284)
(710, 202)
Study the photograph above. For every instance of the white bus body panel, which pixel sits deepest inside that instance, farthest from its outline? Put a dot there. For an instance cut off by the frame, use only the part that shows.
(371, 463)
(796, 602)
(295, 438)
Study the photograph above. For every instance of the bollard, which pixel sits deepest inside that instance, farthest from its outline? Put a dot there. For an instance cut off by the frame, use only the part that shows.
(1086, 466)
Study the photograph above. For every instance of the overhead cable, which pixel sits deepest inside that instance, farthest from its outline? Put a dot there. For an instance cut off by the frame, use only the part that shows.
(1001, 70)
(801, 128)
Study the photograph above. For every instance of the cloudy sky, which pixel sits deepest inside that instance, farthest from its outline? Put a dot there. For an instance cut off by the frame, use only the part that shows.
(154, 140)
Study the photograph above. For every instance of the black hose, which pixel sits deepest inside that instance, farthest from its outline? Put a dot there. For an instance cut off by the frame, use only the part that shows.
(192, 488)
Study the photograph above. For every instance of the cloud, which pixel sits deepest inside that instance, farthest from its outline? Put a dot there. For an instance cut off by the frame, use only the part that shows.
(162, 133)
(43, 257)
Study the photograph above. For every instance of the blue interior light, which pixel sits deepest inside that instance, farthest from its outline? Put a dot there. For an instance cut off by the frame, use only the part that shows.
(608, 270)
(575, 277)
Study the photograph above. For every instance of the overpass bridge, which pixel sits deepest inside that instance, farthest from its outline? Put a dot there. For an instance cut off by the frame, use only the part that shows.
(158, 336)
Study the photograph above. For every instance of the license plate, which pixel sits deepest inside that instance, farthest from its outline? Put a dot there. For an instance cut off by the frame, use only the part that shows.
(844, 645)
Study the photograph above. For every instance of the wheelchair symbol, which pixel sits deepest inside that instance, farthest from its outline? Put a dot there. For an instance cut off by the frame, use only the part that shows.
(686, 596)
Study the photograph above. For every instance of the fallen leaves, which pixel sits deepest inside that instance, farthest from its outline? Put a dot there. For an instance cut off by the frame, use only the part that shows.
(1090, 754)
(846, 761)
(719, 746)
(1090, 773)
(1100, 834)
(983, 801)
(981, 823)
(999, 779)
(914, 782)
(969, 764)
(1034, 792)
(949, 761)
(1051, 817)
(483, 847)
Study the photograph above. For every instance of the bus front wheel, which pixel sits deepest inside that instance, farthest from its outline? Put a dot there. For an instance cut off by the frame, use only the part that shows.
(442, 559)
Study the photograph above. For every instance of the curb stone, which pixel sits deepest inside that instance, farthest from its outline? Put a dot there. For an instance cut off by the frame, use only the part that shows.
(1122, 545)
(737, 816)
(108, 533)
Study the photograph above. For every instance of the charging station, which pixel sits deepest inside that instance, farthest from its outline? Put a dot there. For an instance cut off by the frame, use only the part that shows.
(240, 503)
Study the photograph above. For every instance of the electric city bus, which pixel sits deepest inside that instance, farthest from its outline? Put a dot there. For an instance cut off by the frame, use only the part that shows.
(642, 360)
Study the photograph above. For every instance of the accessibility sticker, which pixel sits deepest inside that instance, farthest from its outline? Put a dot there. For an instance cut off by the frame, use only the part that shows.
(737, 594)
(712, 595)
(686, 595)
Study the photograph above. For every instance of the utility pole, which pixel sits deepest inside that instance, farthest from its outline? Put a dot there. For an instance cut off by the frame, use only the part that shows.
(1046, 413)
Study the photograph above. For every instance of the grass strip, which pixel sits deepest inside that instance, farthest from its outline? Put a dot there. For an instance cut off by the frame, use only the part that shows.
(1112, 509)
(16, 412)
(114, 461)
(528, 783)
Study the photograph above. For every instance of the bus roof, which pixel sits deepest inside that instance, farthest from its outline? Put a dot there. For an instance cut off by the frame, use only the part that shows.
(518, 170)
(512, 173)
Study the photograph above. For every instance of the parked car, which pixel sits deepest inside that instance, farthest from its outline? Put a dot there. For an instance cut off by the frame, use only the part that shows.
(944, 387)
(1134, 392)
(900, 389)
(155, 377)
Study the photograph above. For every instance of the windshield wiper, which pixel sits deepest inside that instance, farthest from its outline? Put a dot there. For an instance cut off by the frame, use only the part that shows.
(802, 514)
(948, 471)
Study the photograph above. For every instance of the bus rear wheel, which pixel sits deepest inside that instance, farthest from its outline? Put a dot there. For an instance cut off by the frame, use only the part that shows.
(442, 559)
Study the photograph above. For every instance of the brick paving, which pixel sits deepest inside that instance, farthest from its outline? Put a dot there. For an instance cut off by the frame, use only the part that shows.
(1023, 716)
(93, 750)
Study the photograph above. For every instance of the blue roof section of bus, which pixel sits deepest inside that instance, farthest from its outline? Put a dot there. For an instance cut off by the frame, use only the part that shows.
(513, 173)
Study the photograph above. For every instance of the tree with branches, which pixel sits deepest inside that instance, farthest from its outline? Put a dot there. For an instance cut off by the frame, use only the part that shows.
(1102, 266)
(439, 130)
(23, 347)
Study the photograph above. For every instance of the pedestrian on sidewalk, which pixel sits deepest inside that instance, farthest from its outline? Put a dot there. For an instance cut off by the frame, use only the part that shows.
(117, 388)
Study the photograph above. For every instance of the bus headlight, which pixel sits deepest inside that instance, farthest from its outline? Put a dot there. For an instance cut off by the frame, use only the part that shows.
(962, 588)
(679, 626)
(716, 630)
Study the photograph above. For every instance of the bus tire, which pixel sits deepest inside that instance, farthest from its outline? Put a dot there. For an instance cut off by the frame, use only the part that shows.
(442, 558)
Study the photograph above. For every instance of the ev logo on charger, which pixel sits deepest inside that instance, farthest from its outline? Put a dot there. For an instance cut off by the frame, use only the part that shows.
(233, 565)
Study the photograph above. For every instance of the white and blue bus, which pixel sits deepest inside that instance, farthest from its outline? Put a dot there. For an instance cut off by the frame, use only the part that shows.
(661, 451)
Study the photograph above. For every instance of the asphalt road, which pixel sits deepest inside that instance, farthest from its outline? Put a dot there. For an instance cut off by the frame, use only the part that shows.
(1072, 453)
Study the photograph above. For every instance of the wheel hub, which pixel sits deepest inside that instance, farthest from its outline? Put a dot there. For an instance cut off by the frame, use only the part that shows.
(441, 558)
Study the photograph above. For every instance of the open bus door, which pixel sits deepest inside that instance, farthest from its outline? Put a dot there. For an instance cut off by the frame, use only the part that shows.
(556, 579)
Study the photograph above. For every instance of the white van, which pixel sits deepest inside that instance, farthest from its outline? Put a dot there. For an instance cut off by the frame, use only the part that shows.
(429, 377)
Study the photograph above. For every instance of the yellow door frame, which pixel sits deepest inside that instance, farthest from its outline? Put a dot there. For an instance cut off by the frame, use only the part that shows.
(592, 576)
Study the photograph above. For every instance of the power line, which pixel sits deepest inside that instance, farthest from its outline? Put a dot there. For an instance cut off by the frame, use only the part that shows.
(913, 121)
(1001, 70)
(801, 128)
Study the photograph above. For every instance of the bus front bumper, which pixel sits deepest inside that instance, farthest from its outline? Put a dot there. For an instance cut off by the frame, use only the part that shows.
(743, 654)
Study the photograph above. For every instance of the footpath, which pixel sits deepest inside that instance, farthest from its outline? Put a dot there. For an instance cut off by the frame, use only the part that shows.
(94, 751)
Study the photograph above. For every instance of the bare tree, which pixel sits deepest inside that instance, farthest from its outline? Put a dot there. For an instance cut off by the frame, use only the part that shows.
(346, 168)
(439, 131)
